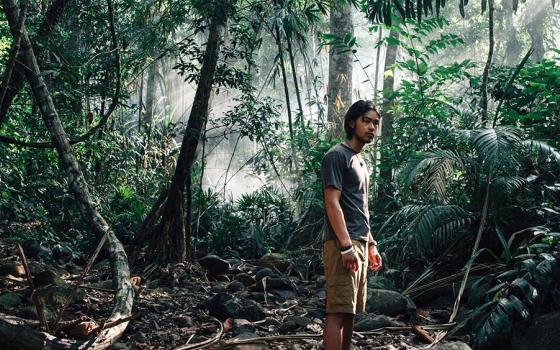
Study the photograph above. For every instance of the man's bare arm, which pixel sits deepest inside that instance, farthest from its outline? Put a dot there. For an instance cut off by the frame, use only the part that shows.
(336, 216)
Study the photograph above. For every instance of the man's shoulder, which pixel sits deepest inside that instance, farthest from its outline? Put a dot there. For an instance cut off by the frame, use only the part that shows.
(337, 153)
(339, 150)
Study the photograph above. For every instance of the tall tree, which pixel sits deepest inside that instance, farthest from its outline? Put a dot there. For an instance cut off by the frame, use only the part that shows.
(168, 225)
(536, 31)
(386, 167)
(513, 46)
(339, 89)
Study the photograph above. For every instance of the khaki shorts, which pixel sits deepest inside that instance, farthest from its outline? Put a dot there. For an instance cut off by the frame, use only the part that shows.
(346, 290)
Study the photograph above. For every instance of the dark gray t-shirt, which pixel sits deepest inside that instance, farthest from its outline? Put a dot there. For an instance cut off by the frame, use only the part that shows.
(346, 170)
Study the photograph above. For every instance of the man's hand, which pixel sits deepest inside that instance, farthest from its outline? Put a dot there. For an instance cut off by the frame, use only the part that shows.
(350, 261)
(375, 261)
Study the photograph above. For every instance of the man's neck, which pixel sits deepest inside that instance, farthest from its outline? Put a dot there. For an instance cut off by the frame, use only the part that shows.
(355, 144)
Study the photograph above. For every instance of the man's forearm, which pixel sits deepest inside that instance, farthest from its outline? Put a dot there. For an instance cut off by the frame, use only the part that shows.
(336, 219)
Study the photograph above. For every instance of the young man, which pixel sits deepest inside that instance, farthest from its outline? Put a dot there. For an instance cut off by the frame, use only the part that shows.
(348, 243)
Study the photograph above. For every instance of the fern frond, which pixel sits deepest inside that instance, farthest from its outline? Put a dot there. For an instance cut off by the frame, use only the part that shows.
(498, 147)
(543, 149)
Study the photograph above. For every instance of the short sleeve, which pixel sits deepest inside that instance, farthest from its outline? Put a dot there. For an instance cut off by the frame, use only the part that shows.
(332, 170)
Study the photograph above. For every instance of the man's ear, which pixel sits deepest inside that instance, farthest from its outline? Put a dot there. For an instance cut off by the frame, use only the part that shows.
(352, 124)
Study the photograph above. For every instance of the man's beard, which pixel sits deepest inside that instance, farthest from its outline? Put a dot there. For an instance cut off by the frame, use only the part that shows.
(365, 140)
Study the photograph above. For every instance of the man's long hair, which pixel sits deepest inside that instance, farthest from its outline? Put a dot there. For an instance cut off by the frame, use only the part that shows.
(358, 109)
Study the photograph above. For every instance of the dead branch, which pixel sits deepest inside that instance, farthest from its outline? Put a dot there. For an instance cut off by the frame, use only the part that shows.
(37, 300)
(207, 342)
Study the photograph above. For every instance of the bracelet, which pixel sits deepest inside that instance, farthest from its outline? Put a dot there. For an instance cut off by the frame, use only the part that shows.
(348, 250)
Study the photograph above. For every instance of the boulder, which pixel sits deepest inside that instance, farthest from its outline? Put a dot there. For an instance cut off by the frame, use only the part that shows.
(380, 282)
(48, 277)
(245, 278)
(274, 261)
(386, 302)
(33, 249)
(264, 272)
(56, 295)
(225, 305)
(234, 286)
(214, 264)
(369, 322)
(61, 254)
(275, 283)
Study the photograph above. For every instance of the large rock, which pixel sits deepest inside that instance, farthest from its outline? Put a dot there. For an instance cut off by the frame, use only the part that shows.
(274, 261)
(62, 254)
(224, 305)
(57, 295)
(275, 283)
(543, 334)
(369, 322)
(263, 272)
(214, 264)
(380, 282)
(34, 249)
(456, 345)
(386, 302)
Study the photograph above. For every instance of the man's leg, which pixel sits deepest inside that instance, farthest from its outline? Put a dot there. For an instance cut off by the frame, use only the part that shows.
(332, 335)
(347, 330)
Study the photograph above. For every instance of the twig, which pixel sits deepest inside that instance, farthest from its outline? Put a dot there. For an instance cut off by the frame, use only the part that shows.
(34, 296)
(80, 279)
(114, 323)
(205, 343)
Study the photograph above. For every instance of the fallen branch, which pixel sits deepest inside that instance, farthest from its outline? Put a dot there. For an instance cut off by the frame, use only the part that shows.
(205, 343)
(37, 300)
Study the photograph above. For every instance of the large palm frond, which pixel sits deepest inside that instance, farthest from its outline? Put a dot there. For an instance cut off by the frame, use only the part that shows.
(436, 168)
(542, 149)
(498, 147)
(426, 227)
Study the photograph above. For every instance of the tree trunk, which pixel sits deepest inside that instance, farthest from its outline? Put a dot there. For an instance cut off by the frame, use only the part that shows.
(484, 87)
(536, 31)
(18, 75)
(152, 84)
(513, 46)
(339, 89)
(78, 186)
(386, 165)
(170, 238)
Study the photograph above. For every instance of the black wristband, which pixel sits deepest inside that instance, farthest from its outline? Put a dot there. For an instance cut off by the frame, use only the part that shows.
(345, 247)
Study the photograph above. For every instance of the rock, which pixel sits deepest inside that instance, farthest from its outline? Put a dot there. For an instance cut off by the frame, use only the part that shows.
(183, 321)
(218, 288)
(235, 286)
(264, 272)
(316, 313)
(33, 249)
(275, 283)
(369, 322)
(241, 326)
(9, 300)
(284, 294)
(288, 326)
(61, 254)
(274, 261)
(301, 321)
(73, 268)
(48, 277)
(245, 278)
(543, 334)
(380, 282)
(107, 284)
(214, 264)
(456, 345)
(386, 302)
(12, 268)
(225, 305)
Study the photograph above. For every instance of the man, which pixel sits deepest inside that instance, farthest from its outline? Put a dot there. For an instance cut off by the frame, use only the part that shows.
(348, 244)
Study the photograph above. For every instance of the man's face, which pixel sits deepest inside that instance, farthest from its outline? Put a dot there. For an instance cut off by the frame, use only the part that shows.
(365, 127)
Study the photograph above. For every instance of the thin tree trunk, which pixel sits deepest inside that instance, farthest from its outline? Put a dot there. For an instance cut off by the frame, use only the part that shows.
(294, 77)
(484, 87)
(339, 89)
(536, 31)
(386, 166)
(15, 83)
(76, 180)
(170, 238)
(377, 57)
(152, 84)
(278, 39)
(513, 46)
